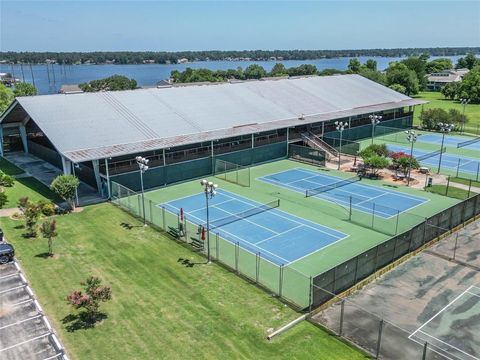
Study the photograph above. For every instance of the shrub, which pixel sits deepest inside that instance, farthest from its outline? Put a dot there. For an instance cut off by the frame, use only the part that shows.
(65, 186)
(46, 208)
(6, 180)
(32, 213)
(3, 199)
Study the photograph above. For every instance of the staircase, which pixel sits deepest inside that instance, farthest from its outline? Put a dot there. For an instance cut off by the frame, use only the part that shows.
(316, 142)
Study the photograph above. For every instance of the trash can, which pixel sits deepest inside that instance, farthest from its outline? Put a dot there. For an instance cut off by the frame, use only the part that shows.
(429, 182)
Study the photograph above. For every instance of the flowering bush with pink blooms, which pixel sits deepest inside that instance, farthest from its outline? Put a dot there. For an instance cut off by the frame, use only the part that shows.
(95, 293)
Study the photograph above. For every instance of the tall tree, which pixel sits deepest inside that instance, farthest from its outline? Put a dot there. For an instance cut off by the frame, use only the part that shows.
(438, 65)
(399, 73)
(469, 61)
(65, 186)
(24, 89)
(279, 70)
(470, 86)
(371, 64)
(255, 71)
(112, 83)
(6, 97)
(354, 65)
(418, 64)
(49, 231)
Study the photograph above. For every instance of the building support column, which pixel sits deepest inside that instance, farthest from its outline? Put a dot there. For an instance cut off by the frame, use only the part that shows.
(23, 136)
(253, 141)
(67, 166)
(1, 140)
(96, 171)
(109, 195)
(323, 128)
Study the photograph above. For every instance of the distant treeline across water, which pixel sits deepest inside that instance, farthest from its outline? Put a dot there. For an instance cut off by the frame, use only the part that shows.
(49, 82)
(163, 57)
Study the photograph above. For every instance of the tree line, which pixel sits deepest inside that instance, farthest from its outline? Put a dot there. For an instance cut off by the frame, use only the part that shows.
(163, 57)
(407, 76)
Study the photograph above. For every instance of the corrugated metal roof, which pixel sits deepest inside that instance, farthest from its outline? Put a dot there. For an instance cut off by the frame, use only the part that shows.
(97, 125)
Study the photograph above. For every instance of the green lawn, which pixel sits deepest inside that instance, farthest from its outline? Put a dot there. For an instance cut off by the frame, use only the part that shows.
(31, 187)
(453, 192)
(465, 181)
(160, 308)
(437, 100)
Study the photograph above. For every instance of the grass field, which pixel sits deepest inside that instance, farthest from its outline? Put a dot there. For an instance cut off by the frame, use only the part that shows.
(160, 307)
(437, 100)
(451, 191)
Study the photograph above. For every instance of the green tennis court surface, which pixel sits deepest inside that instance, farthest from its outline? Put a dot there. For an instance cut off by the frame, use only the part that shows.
(329, 234)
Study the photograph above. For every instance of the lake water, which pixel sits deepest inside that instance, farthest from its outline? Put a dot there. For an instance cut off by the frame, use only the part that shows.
(149, 74)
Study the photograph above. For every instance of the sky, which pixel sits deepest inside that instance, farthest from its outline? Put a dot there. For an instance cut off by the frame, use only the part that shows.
(236, 25)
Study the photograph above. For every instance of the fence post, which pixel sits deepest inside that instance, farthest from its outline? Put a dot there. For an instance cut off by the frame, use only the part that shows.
(163, 219)
(350, 210)
(237, 247)
(373, 215)
(469, 188)
(455, 247)
(379, 341)
(478, 170)
(280, 281)
(425, 346)
(342, 314)
(396, 223)
(448, 185)
(257, 266)
(150, 209)
(217, 242)
(310, 296)
(458, 166)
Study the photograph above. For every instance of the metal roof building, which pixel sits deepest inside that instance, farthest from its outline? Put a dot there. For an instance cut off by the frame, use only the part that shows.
(96, 126)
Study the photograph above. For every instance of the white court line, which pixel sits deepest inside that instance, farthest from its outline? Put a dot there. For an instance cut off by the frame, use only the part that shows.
(442, 354)
(369, 186)
(449, 345)
(326, 197)
(476, 287)
(53, 357)
(10, 275)
(11, 289)
(291, 218)
(274, 236)
(442, 310)
(477, 295)
(25, 342)
(368, 211)
(243, 241)
(21, 321)
(22, 302)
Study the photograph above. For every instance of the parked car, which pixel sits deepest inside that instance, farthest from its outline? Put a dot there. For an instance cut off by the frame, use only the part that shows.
(7, 252)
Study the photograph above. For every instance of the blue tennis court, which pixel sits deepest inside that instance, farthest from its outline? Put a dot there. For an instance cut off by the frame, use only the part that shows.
(449, 161)
(278, 236)
(370, 199)
(450, 140)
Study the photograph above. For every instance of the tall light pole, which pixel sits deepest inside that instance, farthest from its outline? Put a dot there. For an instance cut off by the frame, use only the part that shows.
(340, 126)
(444, 128)
(76, 166)
(209, 188)
(375, 119)
(412, 138)
(143, 166)
(464, 102)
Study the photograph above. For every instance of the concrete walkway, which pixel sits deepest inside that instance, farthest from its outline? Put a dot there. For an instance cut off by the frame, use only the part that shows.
(45, 172)
(8, 212)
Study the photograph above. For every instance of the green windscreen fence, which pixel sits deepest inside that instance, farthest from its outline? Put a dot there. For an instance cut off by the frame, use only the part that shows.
(193, 169)
(232, 172)
(344, 146)
(306, 154)
(365, 131)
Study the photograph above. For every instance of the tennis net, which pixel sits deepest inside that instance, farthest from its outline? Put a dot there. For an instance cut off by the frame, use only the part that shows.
(468, 142)
(332, 186)
(244, 214)
(431, 154)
